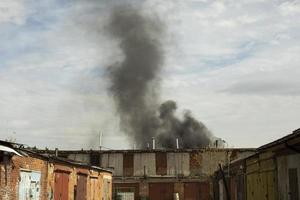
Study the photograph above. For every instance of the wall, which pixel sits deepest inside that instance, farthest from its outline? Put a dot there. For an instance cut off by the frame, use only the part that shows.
(190, 163)
(284, 163)
(17, 166)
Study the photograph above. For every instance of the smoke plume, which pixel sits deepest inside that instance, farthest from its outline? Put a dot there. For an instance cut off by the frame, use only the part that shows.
(135, 84)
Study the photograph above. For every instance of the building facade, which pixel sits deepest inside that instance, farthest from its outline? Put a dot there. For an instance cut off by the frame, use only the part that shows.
(272, 173)
(28, 175)
(160, 174)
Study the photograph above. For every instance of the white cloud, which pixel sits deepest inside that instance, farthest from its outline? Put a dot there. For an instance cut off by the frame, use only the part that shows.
(12, 11)
(233, 63)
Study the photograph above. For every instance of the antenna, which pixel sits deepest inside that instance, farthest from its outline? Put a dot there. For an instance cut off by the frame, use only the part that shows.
(100, 139)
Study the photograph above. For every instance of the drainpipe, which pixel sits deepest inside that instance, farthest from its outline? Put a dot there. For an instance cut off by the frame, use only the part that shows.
(225, 183)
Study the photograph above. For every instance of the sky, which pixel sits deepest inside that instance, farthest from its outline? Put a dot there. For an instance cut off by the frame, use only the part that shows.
(234, 64)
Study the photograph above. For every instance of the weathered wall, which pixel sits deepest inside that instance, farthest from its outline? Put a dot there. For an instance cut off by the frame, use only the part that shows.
(178, 164)
(80, 157)
(144, 164)
(10, 178)
(261, 177)
(26, 164)
(202, 163)
(112, 160)
(284, 163)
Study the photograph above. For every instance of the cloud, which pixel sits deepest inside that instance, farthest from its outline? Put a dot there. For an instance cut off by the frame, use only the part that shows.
(235, 64)
(12, 11)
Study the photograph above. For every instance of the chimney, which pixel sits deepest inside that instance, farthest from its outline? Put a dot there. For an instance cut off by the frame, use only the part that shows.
(153, 143)
(177, 143)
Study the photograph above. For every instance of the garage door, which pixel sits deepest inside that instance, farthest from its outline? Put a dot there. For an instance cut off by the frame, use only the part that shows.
(196, 191)
(61, 186)
(161, 191)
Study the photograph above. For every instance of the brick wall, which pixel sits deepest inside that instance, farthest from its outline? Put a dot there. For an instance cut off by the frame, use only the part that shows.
(10, 177)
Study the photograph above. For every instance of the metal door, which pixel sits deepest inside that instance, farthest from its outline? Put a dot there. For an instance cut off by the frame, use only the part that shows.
(196, 191)
(81, 187)
(29, 185)
(61, 186)
(161, 191)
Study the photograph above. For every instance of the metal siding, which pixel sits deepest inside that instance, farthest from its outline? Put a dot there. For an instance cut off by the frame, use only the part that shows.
(81, 188)
(144, 161)
(161, 191)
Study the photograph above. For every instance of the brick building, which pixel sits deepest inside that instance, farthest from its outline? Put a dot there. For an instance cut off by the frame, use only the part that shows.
(25, 174)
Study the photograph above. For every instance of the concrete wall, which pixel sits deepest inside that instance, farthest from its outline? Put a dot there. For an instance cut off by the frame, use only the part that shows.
(178, 164)
(284, 163)
(80, 158)
(114, 161)
(196, 163)
(143, 161)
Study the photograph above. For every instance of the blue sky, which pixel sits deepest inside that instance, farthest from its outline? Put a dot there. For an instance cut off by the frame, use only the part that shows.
(234, 64)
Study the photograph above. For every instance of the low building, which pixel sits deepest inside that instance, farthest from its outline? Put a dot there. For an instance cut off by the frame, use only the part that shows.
(159, 174)
(25, 174)
(272, 173)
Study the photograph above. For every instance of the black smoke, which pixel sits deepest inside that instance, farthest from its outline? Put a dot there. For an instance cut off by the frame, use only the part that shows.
(135, 84)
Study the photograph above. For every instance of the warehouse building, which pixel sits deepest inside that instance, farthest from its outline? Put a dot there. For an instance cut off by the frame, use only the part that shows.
(25, 174)
(157, 174)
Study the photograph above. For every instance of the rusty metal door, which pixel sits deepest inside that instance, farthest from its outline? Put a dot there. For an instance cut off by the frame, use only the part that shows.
(293, 183)
(61, 186)
(196, 191)
(29, 185)
(81, 187)
(161, 191)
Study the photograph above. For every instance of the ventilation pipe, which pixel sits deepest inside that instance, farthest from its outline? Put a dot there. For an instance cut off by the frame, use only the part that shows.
(153, 143)
(177, 143)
